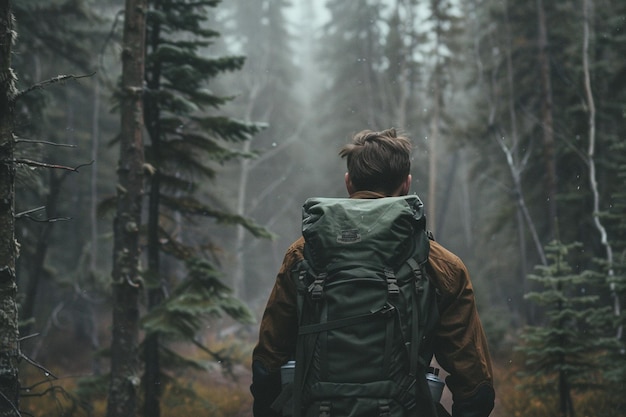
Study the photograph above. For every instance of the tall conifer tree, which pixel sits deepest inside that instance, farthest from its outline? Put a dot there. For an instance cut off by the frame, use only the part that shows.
(125, 366)
(9, 344)
(186, 139)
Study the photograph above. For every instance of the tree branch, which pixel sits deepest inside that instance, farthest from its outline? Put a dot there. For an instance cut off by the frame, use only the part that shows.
(27, 212)
(38, 366)
(17, 412)
(44, 142)
(53, 166)
(43, 84)
(224, 361)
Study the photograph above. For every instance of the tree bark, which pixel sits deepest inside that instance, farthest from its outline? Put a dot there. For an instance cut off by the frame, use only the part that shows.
(547, 122)
(152, 371)
(9, 339)
(125, 364)
(593, 182)
(433, 152)
(437, 88)
(93, 208)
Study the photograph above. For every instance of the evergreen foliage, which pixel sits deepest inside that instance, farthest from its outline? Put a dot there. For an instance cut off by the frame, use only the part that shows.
(562, 354)
(374, 67)
(614, 322)
(186, 139)
(200, 296)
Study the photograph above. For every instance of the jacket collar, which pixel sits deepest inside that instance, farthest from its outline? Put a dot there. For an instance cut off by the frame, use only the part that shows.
(367, 195)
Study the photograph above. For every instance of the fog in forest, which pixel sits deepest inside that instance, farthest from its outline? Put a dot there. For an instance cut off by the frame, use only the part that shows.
(516, 112)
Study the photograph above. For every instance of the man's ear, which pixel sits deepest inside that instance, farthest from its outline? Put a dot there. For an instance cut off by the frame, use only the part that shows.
(349, 186)
(406, 185)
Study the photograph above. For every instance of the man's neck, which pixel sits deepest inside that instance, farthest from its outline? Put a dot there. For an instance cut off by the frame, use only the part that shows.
(367, 194)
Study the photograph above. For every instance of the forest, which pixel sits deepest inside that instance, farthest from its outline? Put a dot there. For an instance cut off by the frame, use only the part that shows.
(155, 156)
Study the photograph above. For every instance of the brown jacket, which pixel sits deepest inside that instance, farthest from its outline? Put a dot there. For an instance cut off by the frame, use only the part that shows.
(460, 345)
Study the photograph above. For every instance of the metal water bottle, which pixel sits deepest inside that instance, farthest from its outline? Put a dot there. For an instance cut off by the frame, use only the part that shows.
(435, 384)
(287, 372)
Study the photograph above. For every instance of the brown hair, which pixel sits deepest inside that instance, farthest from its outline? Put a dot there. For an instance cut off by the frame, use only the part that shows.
(378, 161)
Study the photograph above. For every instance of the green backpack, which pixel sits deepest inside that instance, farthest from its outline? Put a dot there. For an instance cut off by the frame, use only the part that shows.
(365, 309)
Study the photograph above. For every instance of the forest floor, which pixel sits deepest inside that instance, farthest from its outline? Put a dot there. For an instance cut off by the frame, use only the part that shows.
(219, 393)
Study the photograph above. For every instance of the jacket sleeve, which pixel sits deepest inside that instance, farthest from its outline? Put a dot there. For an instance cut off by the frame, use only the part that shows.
(277, 336)
(460, 344)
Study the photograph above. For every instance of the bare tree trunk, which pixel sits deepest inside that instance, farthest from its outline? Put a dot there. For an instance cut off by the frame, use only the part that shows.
(125, 365)
(521, 211)
(239, 281)
(38, 262)
(435, 121)
(433, 153)
(547, 123)
(93, 217)
(9, 343)
(591, 108)
(509, 144)
(93, 208)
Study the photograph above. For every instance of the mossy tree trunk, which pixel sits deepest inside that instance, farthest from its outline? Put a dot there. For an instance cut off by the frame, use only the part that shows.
(125, 364)
(9, 334)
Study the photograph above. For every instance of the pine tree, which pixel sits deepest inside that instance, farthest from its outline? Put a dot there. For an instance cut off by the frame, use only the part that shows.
(614, 322)
(186, 137)
(125, 367)
(561, 355)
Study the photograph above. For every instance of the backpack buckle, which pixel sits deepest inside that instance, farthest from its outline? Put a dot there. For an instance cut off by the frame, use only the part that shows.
(419, 279)
(407, 392)
(386, 311)
(325, 409)
(384, 411)
(317, 287)
(392, 282)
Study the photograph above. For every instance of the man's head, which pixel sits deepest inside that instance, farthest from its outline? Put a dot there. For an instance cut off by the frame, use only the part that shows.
(378, 161)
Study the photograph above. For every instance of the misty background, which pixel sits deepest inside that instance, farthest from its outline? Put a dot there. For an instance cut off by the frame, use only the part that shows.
(515, 110)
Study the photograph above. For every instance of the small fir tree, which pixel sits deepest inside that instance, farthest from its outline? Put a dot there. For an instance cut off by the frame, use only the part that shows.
(561, 354)
(614, 320)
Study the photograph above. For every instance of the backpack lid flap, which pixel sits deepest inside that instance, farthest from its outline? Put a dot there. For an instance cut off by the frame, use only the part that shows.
(385, 231)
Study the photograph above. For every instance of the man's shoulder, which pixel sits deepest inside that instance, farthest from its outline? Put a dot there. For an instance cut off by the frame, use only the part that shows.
(297, 246)
(447, 269)
(294, 253)
(440, 255)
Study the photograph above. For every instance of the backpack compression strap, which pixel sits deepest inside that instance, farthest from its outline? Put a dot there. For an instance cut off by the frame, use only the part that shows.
(385, 311)
(419, 323)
